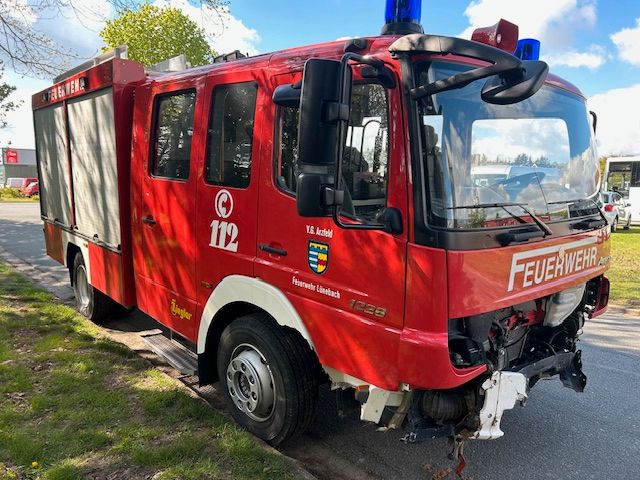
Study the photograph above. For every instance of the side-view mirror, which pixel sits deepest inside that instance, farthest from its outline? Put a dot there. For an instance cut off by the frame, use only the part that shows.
(324, 106)
(392, 220)
(287, 95)
(508, 89)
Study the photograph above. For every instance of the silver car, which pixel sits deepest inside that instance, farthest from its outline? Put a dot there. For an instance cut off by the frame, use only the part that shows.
(617, 210)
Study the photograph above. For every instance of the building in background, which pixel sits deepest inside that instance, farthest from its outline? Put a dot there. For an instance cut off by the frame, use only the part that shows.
(17, 163)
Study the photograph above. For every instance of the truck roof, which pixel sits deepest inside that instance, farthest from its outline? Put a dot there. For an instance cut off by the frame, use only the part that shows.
(294, 58)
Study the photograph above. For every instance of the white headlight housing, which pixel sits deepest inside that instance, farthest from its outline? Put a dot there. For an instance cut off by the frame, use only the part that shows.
(562, 304)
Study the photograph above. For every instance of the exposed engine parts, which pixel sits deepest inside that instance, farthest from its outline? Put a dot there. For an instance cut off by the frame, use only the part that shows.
(519, 345)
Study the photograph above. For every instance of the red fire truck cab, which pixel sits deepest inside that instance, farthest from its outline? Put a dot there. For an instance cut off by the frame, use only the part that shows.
(409, 216)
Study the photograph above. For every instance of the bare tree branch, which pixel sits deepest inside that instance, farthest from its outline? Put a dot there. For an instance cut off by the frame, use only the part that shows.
(27, 50)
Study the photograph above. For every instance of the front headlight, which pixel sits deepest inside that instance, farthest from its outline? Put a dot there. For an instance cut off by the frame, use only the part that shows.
(562, 304)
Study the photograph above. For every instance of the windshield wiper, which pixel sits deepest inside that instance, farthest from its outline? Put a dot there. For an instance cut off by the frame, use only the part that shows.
(581, 200)
(540, 224)
(585, 224)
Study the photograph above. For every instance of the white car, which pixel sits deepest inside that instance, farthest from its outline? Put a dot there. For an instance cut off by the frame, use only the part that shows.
(617, 209)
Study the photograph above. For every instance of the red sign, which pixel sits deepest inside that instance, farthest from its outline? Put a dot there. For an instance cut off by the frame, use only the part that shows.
(10, 156)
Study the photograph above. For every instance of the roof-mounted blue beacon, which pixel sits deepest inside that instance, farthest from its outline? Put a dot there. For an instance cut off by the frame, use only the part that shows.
(402, 17)
(528, 49)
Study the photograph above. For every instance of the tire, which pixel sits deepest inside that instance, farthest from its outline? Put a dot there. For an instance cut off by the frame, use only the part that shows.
(90, 302)
(628, 225)
(269, 376)
(614, 225)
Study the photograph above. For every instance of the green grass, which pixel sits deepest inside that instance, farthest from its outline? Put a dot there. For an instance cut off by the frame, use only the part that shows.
(74, 404)
(625, 267)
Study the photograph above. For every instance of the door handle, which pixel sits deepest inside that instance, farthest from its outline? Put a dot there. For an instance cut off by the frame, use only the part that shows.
(149, 221)
(269, 249)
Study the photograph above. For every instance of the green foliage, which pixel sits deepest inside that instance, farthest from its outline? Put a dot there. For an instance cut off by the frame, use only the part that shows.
(9, 192)
(6, 105)
(155, 34)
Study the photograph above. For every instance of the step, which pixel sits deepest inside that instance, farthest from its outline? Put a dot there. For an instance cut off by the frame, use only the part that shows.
(176, 354)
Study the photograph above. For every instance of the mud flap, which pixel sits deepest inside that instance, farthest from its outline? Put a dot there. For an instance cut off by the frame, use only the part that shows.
(572, 376)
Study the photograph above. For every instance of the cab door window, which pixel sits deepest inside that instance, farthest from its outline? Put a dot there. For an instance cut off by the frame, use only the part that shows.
(172, 135)
(365, 157)
(231, 135)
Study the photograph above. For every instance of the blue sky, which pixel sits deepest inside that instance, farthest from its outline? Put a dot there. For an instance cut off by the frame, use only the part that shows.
(594, 44)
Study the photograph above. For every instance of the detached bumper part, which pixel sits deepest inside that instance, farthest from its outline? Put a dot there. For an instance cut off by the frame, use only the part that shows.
(502, 391)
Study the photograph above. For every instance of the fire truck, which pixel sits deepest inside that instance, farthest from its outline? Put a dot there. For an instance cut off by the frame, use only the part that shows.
(337, 214)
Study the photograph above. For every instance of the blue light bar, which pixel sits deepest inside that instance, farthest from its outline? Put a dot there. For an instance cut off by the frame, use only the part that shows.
(402, 17)
(528, 49)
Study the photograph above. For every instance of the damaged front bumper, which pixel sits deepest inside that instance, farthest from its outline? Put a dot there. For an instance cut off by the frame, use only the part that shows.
(501, 391)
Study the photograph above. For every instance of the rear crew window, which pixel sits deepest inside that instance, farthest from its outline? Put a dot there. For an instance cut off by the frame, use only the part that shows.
(173, 133)
(230, 135)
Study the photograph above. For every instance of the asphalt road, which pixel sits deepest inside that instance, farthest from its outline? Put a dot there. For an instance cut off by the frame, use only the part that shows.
(558, 435)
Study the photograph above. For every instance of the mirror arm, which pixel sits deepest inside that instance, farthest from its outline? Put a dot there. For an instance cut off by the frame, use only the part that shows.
(594, 115)
(335, 194)
(461, 80)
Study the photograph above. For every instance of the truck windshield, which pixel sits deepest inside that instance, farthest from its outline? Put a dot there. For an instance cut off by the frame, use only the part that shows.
(477, 157)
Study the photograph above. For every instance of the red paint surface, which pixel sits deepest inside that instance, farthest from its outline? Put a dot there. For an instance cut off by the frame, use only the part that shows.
(479, 280)
(53, 242)
(502, 35)
(107, 274)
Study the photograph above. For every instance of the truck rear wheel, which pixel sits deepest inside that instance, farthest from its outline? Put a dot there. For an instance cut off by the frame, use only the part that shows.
(91, 303)
(269, 376)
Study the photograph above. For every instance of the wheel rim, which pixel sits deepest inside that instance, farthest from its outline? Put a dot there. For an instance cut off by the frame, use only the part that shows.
(82, 287)
(250, 382)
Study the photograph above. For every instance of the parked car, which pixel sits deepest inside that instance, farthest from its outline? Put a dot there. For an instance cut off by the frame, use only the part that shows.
(617, 209)
(32, 189)
(14, 182)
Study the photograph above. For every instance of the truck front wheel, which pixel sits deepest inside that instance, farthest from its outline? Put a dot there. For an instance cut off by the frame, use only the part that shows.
(269, 376)
(91, 303)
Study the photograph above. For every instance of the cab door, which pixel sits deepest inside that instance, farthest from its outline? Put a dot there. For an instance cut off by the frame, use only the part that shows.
(168, 209)
(228, 183)
(347, 285)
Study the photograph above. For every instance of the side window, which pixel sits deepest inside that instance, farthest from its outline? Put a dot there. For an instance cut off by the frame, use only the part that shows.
(365, 158)
(231, 135)
(287, 154)
(173, 133)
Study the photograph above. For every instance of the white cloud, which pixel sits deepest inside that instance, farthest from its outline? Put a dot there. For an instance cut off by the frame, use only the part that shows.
(593, 58)
(19, 130)
(550, 21)
(225, 32)
(76, 27)
(507, 138)
(618, 123)
(627, 41)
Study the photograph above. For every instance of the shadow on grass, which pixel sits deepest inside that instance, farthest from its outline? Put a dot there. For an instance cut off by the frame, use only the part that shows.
(74, 404)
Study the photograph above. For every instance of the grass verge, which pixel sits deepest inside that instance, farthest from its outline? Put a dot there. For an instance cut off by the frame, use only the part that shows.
(75, 404)
(625, 267)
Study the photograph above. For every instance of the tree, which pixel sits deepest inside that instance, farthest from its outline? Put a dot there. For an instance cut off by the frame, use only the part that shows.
(6, 106)
(155, 34)
(28, 50)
